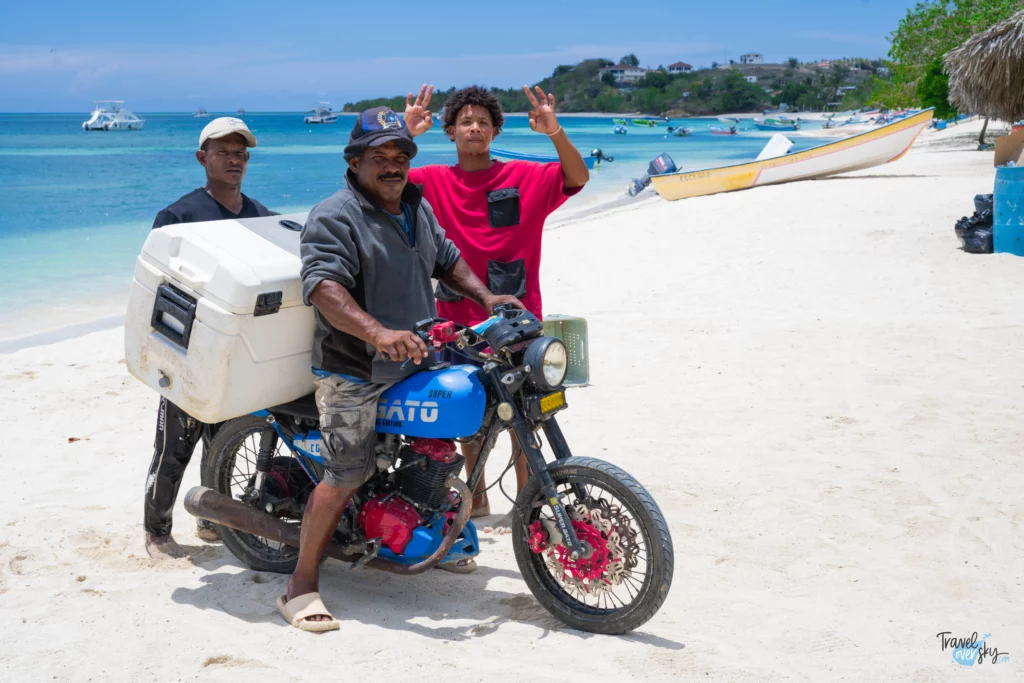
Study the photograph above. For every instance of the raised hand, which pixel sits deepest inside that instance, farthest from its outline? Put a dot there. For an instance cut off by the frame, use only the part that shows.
(417, 117)
(542, 118)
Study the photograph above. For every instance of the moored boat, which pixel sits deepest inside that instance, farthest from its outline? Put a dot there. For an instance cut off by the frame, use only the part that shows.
(201, 114)
(722, 130)
(873, 148)
(781, 123)
(620, 122)
(321, 113)
(110, 115)
(679, 131)
(650, 123)
(620, 130)
(595, 157)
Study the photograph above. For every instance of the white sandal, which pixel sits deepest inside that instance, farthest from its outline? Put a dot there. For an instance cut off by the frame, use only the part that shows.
(298, 610)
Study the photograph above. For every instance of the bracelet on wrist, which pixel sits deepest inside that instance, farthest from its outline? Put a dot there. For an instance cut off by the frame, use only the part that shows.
(557, 131)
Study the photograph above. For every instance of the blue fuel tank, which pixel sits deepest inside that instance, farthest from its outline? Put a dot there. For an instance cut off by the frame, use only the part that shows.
(434, 404)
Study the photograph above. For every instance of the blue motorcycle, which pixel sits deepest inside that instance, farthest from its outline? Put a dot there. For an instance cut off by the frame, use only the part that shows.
(590, 541)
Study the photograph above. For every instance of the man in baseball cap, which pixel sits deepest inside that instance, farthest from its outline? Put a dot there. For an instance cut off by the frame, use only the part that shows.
(368, 255)
(224, 154)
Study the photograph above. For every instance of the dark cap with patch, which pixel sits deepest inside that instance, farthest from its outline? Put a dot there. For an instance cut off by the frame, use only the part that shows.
(378, 126)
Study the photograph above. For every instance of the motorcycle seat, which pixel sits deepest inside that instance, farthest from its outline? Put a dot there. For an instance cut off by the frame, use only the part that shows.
(303, 408)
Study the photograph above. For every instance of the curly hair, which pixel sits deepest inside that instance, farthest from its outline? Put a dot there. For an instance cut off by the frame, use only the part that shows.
(476, 95)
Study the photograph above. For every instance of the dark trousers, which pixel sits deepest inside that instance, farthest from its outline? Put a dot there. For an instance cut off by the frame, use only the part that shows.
(177, 435)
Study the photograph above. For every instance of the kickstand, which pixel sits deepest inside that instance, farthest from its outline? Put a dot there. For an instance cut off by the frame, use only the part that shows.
(372, 548)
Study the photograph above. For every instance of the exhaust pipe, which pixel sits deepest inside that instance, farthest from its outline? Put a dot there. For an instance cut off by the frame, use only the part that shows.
(208, 504)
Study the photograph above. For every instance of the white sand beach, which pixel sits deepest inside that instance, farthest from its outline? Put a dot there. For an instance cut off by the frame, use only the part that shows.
(822, 392)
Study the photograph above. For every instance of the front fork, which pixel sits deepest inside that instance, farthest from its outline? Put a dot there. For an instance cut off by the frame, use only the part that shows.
(535, 458)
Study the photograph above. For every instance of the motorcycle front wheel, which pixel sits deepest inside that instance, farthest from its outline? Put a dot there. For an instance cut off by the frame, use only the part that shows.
(626, 578)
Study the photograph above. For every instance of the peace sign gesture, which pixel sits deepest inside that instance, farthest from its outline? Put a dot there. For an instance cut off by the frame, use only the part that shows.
(417, 117)
(542, 118)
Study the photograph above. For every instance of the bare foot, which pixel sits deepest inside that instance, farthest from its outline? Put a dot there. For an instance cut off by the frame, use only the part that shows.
(164, 548)
(480, 509)
(207, 533)
(501, 527)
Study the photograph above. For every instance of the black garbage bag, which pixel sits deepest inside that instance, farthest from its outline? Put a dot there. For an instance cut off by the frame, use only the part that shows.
(975, 232)
(982, 202)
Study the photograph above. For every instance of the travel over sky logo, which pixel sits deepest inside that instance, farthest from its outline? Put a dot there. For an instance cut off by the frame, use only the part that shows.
(968, 651)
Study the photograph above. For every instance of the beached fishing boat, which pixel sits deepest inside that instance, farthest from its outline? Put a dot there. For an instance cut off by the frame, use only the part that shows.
(777, 124)
(321, 113)
(680, 131)
(721, 130)
(110, 115)
(595, 157)
(650, 123)
(874, 148)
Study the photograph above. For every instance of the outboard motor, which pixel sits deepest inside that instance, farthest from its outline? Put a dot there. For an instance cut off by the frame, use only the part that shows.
(600, 155)
(660, 166)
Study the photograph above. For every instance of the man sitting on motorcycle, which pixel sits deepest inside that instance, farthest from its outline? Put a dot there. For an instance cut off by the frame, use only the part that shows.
(368, 255)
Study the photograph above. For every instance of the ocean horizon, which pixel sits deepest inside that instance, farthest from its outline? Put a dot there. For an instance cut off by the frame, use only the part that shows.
(76, 205)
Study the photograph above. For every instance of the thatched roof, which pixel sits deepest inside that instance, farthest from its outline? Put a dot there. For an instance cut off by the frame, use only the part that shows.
(986, 74)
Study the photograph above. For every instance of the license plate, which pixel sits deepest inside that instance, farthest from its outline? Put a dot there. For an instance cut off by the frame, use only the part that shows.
(552, 403)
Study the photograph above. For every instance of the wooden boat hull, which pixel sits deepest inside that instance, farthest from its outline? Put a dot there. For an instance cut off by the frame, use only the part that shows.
(784, 127)
(874, 148)
(538, 158)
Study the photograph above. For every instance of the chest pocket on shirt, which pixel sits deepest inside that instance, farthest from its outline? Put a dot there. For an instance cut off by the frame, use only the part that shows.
(503, 207)
(507, 278)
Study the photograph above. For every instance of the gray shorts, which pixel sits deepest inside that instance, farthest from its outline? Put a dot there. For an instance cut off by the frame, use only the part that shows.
(348, 414)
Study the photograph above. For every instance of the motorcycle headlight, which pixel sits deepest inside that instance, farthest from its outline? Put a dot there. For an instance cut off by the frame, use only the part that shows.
(548, 363)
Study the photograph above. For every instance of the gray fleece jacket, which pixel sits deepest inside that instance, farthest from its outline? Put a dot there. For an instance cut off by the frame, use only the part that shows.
(350, 239)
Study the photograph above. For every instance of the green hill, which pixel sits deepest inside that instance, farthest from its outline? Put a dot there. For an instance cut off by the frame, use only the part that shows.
(718, 90)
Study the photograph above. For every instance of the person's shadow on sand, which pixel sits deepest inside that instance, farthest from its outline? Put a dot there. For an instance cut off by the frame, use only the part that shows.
(400, 603)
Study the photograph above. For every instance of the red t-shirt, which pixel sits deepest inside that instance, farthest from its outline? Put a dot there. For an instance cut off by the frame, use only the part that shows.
(478, 212)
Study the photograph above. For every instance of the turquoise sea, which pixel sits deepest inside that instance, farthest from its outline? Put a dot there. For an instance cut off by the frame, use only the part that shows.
(75, 206)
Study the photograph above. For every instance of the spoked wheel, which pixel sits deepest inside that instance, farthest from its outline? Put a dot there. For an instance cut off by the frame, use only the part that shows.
(231, 470)
(626, 576)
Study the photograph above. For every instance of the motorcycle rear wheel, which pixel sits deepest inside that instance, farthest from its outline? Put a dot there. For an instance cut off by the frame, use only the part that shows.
(229, 469)
(600, 606)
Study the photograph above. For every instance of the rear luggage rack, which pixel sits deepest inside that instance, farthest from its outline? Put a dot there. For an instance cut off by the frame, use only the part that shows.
(174, 311)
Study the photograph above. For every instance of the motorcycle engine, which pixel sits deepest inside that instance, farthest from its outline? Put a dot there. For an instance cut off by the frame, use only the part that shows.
(422, 490)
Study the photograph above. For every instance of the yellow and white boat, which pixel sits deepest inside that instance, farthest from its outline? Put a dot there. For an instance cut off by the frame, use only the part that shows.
(874, 148)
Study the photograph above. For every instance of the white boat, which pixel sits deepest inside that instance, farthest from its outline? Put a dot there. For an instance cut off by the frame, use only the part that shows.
(874, 148)
(321, 113)
(201, 114)
(110, 115)
(240, 112)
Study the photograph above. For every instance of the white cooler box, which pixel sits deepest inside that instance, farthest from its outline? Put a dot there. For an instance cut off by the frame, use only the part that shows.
(215, 317)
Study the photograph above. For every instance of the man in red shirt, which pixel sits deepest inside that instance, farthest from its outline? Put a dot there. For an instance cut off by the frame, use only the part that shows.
(494, 212)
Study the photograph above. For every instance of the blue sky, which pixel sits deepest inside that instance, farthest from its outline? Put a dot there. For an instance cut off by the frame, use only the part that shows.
(273, 55)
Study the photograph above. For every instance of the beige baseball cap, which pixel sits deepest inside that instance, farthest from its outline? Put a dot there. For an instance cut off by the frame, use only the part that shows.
(227, 125)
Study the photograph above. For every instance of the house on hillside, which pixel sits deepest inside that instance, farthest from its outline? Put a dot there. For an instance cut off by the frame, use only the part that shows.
(679, 68)
(624, 73)
(752, 58)
(882, 72)
(826, 64)
(751, 79)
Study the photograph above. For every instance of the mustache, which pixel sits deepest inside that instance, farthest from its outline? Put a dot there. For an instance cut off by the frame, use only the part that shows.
(390, 176)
